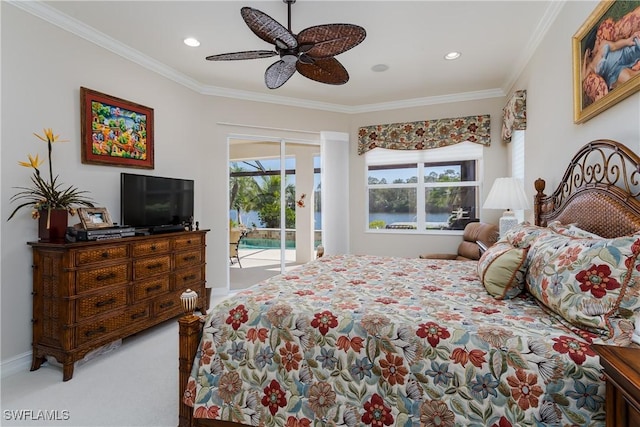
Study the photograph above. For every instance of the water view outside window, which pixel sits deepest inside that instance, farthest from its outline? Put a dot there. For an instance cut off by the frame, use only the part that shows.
(447, 191)
(254, 193)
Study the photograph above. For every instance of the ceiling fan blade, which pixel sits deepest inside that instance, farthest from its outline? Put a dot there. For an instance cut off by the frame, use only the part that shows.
(249, 54)
(324, 70)
(278, 73)
(331, 39)
(267, 28)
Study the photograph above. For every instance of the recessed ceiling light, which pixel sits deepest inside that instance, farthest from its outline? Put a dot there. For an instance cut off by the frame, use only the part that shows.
(452, 55)
(190, 41)
(378, 68)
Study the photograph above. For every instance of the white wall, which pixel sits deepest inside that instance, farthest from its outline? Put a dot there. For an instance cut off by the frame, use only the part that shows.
(411, 245)
(43, 68)
(551, 137)
(41, 79)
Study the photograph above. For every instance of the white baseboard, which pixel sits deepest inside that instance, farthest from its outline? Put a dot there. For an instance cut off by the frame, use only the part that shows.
(22, 362)
(16, 364)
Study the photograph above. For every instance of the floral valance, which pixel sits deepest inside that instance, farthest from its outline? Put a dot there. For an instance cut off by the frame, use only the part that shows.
(425, 134)
(515, 114)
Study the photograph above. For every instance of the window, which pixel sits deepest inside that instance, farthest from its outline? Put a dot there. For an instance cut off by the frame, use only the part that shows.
(517, 163)
(443, 182)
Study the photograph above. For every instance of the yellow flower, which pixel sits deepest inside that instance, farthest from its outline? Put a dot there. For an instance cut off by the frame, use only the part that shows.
(47, 194)
(49, 137)
(33, 162)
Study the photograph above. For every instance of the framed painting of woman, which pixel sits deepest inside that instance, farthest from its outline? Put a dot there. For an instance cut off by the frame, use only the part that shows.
(606, 58)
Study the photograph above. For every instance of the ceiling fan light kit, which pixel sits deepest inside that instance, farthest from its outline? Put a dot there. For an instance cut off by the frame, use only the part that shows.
(311, 52)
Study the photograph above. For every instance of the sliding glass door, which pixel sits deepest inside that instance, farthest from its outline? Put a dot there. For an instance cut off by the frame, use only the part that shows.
(273, 188)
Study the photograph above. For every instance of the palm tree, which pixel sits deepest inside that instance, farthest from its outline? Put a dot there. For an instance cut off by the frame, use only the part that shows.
(267, 201)
(242, 192)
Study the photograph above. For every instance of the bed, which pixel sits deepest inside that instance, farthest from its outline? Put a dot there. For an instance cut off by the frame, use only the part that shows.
(368, 340)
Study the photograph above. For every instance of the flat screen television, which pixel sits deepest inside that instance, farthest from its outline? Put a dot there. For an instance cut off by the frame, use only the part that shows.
(150, 201)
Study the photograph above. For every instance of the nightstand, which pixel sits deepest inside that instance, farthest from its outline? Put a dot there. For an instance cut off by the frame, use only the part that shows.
(622, 372)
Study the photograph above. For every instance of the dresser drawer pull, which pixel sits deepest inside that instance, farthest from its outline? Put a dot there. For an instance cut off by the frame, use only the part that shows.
(138, 315)
(153, 288)
(104, 254)
(166, 304)
(105, 302)
(106, 276)
(189, 277)
(189, 258)
(154, 266)
(100, 330)
(189, 242)
(153, 247)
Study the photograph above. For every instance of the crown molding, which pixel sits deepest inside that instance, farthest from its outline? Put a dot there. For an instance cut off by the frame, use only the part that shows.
(431, 100)
(80, 29)
(550, 15)
(273, 99)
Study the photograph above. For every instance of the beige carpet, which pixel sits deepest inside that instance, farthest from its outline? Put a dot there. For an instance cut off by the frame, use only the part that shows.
(258, 265)
(135, 384)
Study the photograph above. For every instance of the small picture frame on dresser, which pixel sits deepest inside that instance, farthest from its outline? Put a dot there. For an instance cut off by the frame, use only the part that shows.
(92, 218)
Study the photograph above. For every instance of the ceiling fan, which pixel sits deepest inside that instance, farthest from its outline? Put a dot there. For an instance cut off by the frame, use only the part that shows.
(311, 52)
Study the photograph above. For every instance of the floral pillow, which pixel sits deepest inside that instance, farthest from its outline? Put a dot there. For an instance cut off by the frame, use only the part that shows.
(524, 234)
(591, 283)
(502, 269)
(571, 230)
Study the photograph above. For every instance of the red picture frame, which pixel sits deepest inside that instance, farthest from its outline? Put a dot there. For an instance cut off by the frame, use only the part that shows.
(114, 131)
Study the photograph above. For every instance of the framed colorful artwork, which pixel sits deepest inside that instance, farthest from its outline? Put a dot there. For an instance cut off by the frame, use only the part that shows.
(606, 58)
(114, 131)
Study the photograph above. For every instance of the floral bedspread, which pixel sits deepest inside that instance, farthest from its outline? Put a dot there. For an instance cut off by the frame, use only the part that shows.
(360, 340)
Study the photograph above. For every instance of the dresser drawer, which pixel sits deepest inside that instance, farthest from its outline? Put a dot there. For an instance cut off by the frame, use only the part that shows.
(100, 277)
(96, 330)
(87, 294)
(189, 277)
(150, 266)
(90, 306)
(170, 303)
(151, 288)
(188, 259)
(188, 242)
(95, 255)
(150, 248)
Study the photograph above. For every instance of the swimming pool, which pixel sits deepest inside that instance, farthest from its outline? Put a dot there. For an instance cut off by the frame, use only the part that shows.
(248, 243)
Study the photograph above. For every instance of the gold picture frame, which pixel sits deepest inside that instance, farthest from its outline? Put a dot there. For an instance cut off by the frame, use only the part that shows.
(92, 218)
(597, 85)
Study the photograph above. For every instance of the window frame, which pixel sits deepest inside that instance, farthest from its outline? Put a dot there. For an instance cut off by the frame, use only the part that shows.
(424, 159)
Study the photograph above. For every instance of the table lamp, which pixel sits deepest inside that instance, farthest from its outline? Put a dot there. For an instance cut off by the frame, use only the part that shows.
(507, 193)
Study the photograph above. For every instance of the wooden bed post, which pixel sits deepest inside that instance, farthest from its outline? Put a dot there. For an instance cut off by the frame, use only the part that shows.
(537, 203)
(190, 328)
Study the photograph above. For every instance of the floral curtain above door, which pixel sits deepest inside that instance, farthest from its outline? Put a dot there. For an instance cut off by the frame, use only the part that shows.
(515, 114)
(425, 134)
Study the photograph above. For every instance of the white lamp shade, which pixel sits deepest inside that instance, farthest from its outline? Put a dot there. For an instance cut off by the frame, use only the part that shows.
(507, 193)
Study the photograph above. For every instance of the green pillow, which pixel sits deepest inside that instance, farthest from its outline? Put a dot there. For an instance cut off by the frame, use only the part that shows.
(502, 270)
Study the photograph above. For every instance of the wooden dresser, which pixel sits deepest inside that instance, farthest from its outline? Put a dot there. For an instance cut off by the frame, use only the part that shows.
(88, 294)
(622, 371)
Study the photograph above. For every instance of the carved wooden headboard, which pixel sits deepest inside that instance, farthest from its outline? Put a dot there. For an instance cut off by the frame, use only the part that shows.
(599, 192)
